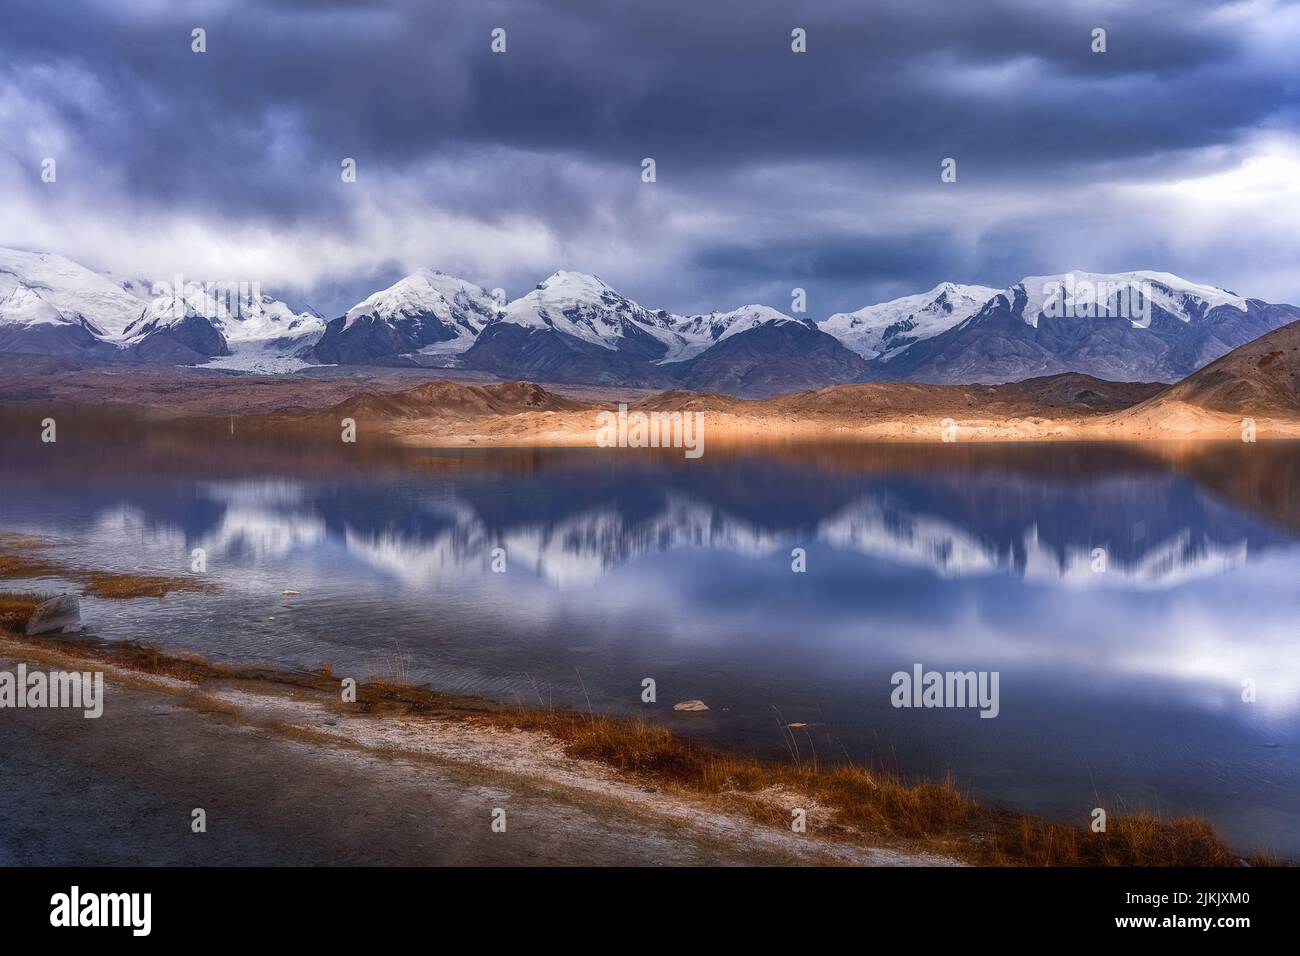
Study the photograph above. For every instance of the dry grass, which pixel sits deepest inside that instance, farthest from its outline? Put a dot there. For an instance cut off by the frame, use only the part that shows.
(16, 610)
(28, 566)
(1135, 840)
(16, 561)
(21, 542)
(630, 745)
(879, 803)
(391, 674)
(854, 802)
(123, 586)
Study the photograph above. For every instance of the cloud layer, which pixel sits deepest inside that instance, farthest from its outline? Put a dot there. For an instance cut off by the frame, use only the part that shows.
(1177, 149)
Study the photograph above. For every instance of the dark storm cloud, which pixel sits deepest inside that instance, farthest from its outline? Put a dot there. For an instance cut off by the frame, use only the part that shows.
(908, 261)
(253, 131)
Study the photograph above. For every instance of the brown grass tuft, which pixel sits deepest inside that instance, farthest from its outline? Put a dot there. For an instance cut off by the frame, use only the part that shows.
(15, 563)
(124, 586)
(16, 610)
(635, 746)
(1134, 840)
(27, 566)
(11, 541)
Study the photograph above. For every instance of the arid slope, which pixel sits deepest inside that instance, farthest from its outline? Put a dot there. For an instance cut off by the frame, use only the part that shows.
(1262, 377)
(1259, 381)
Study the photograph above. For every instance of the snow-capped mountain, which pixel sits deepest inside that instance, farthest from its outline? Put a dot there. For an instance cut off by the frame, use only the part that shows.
(105, 304)
(30, 322)
(175, 330)
(583, 307)
(52, 305)
(264, 318)
(1131, 326)
(228, 325)
(699, 333)
(427, 311)
(884, 330)
(1081, 293)
(574, 328)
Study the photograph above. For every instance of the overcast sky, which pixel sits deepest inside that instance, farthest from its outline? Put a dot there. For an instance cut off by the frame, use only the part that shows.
(1178, 149)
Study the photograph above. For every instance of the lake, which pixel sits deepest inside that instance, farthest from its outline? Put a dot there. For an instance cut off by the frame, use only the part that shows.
(1123, 595)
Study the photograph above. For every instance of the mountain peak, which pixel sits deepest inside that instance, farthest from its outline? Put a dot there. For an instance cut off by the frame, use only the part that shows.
(761, 313)
(423, 292)
(74, 290)
(584, 306)
(1067, 291)
(574, 285)
(887, 328)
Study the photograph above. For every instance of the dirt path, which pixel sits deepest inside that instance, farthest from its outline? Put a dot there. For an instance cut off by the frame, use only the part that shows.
(121, 789)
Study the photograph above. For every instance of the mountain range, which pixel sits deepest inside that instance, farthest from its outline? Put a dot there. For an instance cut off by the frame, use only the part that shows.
(574, 328)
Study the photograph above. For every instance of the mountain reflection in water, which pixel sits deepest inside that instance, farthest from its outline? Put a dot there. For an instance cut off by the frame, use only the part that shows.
(1120, 685)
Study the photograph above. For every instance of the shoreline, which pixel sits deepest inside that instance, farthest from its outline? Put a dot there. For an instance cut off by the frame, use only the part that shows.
(616, 767)
(464, 744)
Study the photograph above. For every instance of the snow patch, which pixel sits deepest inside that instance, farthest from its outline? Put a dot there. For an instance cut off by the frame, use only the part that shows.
(1179, 297)
(108, 305)
(888, 328)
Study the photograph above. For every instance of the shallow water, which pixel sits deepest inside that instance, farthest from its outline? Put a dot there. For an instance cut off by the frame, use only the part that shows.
(1119, 688)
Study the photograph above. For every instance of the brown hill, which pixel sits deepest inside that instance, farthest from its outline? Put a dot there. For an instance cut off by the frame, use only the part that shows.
(1048, 396)
(1051, 406)
(1259, 378)
(442, 399)
(683, 400)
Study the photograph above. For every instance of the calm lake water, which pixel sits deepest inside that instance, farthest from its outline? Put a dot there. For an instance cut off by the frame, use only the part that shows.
(1120, 689)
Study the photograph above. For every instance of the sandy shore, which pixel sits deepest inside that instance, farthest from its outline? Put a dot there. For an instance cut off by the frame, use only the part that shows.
(286, 778)
(579, 429)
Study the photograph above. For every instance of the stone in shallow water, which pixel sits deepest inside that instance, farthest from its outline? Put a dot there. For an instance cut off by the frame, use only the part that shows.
(691, 706)
(54, 615)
